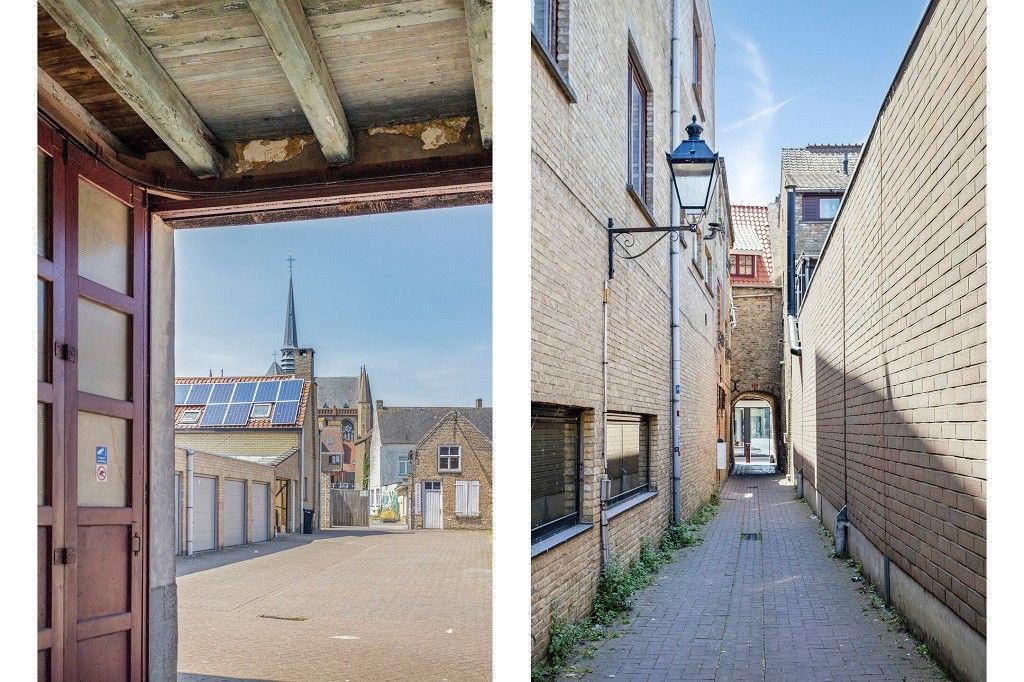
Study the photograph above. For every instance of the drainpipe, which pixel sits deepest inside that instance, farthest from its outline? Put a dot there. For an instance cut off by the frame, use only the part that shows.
(302, 481)
(794, 340)
(189, 519)
(605, 487)
(673, 262)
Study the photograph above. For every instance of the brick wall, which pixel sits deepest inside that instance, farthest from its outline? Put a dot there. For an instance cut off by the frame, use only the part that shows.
(889, 394)
(476, 466)
(579, 181)
(757, 345)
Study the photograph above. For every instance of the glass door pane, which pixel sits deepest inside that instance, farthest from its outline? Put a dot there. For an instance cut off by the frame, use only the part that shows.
(104, 238)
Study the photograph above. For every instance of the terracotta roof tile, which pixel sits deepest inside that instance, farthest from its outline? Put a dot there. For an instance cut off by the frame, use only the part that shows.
(179, 410)
(752, 233)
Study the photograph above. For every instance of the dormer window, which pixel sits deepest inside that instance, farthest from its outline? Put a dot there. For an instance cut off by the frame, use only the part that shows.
(820, 206)
(743, 266)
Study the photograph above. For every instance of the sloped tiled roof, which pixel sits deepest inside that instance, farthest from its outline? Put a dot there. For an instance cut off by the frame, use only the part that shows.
(410, 424)
(252, 423)
(337, 391)
(752, 234)
(820, 166)
(332, 440)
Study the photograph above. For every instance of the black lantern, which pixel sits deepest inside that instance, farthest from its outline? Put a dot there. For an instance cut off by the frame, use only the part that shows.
(693, 170)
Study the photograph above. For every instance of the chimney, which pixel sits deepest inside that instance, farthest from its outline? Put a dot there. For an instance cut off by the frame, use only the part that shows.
(380, 404)
(846, 163)
(479, 402)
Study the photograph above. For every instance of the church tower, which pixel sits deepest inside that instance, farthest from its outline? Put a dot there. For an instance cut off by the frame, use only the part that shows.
(291, 336)
(364, 408)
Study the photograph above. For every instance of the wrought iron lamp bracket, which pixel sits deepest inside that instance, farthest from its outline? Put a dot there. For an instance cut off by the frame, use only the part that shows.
(628, 241)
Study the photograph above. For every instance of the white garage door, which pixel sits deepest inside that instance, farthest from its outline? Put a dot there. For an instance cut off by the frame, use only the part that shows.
(260, 512)
(204, 513)
(177, 513)
(234, 513)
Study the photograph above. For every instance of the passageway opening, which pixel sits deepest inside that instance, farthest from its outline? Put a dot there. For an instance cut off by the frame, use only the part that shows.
(753, 436)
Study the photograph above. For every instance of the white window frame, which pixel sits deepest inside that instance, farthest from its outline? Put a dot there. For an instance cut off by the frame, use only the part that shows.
(405, 460)
(190, 417)
(449, 469)
(253, 415)
(334, 459)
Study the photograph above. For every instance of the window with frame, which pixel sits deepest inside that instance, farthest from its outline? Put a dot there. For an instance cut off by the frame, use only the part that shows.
(189, 417)
(743, 266)
(697, 76)
(467, 498)
(555, 469)
(404, 466)
(348, 431)
(707, 267)
(820, 206)
(449, 458)
(545, 25)
(627, 440)
(260, 411)
(335, 459)
(638, 102)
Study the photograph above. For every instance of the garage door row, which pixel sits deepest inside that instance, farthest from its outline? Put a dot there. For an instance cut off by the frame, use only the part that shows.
(205, 506)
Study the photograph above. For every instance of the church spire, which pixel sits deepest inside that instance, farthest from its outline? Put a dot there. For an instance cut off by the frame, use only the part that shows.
(291, 336)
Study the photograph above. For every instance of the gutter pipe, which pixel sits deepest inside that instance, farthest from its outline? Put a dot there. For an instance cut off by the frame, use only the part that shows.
(674, 241)
(189, 518)
(794, 338)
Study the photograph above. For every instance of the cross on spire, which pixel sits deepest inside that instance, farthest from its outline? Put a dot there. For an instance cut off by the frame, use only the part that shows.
(291, 260)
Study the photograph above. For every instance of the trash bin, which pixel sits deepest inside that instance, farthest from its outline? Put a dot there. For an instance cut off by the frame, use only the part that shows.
(307, 521)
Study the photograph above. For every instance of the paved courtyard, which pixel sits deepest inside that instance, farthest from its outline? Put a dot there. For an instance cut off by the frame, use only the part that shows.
(352, 604)
(778, 608)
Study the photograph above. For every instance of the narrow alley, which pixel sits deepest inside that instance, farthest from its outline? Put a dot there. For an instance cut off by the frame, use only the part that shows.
(778, 608)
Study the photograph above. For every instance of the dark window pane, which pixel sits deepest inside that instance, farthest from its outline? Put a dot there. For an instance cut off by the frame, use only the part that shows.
(628, 453)
(43, 222)
(555, 442)
(45, 338)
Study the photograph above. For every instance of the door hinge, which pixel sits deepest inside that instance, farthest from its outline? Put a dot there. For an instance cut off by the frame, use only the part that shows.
(65, 352)
(63, 556)
(136, 544)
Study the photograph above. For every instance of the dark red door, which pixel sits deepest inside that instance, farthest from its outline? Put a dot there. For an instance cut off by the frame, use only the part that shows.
(92, 412)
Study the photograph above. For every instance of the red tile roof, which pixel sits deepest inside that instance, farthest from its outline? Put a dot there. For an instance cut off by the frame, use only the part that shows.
(179, 410)
(752, 234)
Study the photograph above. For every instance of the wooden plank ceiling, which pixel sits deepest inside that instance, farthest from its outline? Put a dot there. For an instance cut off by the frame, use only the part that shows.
(391, 68)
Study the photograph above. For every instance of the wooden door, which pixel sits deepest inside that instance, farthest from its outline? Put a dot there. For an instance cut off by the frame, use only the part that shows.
(432, 506)
(92, 396)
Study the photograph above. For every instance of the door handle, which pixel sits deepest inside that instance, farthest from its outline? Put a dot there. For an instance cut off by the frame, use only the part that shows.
(136, 544)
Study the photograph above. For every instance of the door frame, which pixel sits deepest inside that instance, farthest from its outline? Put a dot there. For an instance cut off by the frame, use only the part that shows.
(440, 502)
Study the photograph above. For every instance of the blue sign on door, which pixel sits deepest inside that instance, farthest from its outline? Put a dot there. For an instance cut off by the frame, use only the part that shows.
(101, 454)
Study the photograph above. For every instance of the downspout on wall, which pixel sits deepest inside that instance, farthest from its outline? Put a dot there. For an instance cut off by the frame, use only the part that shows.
(674, 241)
(189, 497)
(794, 337)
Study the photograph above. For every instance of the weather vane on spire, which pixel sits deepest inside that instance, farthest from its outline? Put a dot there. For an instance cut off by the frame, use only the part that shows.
(290, 259)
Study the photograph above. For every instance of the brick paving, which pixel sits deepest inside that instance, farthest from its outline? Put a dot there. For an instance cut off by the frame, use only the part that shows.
(778, 608)
(378, 604)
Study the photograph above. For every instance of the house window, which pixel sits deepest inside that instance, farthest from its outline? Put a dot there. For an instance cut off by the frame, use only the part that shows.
(260, 411)
(404, 466)
(467, 498)
(743, 266)
(555, 469)
(545, 25)
(628, 444)
(637, 143)
(820, 206)
(707, 267)
(449, 458)
(189, 417)
(348, 432)
(335, 459)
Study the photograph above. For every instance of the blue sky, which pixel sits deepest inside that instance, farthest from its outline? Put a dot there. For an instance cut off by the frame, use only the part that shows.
(800, 72)
(406, 294)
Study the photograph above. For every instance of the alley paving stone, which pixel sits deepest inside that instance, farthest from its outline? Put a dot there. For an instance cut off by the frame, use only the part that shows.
(355, 604)
(778, 608)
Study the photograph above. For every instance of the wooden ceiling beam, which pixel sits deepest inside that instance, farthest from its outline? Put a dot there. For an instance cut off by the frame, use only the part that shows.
(102, 34)
(286, 28)
(82, 125)
(478, 27)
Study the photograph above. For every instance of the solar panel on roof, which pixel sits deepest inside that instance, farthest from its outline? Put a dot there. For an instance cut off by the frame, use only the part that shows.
(181, 394)
(266, 392)
(244, 392)
(290, 390)
(221, 393)
(285, 412)
(238, 414)
(214, 414)
(199, 394)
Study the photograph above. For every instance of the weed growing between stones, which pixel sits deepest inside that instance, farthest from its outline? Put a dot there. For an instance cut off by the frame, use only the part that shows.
(616, 590)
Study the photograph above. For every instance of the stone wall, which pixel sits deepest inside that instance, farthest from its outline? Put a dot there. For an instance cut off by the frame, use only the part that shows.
(579, 180)
(889, 393)
(757, 349)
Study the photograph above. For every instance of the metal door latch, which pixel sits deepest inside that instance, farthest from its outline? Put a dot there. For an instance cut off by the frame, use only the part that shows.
(63, 556)
(136, 544)
(65, 352)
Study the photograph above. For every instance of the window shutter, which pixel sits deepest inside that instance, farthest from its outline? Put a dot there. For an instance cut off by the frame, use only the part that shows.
(810, 207)
(474, 498)
(461, 498)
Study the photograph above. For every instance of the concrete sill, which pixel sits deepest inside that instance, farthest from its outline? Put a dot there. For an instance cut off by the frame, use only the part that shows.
(551, 64)
(631, 502)
(558, 538)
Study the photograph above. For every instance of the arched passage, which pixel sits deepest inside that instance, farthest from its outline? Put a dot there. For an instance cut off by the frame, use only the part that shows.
(754, 436)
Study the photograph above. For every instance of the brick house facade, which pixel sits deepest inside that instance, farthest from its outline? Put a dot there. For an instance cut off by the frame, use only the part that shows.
(465, 490)
(593, 64)
(888, 394)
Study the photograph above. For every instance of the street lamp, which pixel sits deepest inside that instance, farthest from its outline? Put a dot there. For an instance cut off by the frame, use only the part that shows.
(693, 175)
(693, 170)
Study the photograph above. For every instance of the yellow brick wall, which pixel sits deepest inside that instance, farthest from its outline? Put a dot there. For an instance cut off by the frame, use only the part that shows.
(476, 466)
